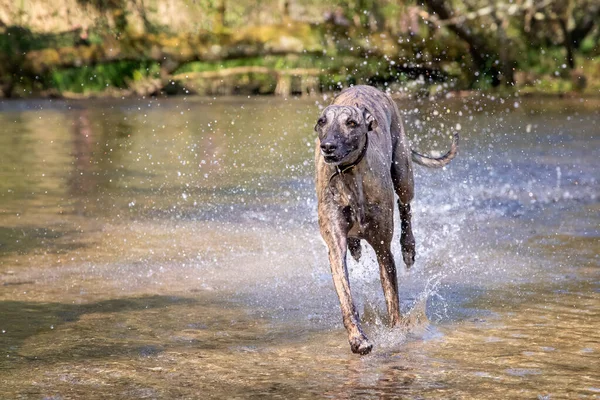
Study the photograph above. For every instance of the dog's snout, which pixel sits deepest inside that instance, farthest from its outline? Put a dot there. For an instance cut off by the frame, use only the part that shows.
(328, 147)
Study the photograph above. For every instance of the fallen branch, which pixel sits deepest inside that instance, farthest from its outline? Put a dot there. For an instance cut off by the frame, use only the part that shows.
(224, 73)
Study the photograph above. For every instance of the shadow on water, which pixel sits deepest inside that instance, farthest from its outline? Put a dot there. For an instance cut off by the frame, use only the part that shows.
(23, 320)
(132, 345)
(30, 239)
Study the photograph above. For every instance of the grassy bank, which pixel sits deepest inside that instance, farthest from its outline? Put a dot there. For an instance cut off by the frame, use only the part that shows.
(233, 77)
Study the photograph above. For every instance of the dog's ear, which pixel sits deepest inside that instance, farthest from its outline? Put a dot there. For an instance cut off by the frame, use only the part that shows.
(369, 119)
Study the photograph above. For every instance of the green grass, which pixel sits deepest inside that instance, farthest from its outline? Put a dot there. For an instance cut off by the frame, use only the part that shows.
(97, 78)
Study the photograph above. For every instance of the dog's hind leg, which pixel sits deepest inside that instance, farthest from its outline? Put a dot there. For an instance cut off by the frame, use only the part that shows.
(337, 243)
(389, 280)
(402, 177)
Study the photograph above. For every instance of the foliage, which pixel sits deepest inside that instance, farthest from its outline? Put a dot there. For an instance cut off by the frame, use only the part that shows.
(98, 77)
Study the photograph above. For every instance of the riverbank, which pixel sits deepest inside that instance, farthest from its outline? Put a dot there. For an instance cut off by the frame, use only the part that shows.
(293, 59)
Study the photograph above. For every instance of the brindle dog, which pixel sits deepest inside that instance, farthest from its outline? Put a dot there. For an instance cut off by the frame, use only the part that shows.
(362, 158)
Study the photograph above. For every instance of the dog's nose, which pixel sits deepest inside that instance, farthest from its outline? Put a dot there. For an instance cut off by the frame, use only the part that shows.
(328, 147)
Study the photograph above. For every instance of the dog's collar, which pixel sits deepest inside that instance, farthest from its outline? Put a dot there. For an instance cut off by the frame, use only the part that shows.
(340, 169)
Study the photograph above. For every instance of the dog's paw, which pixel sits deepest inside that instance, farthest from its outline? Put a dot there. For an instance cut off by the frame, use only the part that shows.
(409, 258)
(408, 250)
(360, 345)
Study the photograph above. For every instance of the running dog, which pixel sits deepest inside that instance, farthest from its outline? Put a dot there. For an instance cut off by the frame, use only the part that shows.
(362, 158)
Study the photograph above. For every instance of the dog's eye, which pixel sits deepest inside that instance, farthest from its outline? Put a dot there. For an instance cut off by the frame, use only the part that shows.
(321, 121)
(352, 124)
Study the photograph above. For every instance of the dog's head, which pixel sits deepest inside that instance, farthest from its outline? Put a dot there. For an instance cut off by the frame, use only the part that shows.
(342, 130)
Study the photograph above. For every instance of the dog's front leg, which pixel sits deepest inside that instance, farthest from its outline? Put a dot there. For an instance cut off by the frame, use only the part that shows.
(336, 240)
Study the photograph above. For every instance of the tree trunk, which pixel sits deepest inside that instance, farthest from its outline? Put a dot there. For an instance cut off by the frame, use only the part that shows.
(575, 36)
(506, 64)
(220, 17)
(568, 41)
(284, 6)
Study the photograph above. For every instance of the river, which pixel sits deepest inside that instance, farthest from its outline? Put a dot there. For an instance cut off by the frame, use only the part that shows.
(168, 248)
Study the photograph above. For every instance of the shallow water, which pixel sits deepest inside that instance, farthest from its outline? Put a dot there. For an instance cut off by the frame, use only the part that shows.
(169, 249)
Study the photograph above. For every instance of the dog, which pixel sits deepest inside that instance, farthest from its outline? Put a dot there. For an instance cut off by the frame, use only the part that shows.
(362, 158)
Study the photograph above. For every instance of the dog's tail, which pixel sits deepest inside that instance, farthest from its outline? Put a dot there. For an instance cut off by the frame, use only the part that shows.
(439, 162)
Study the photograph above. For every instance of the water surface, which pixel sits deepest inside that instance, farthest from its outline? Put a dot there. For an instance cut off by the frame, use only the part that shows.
(169, 249)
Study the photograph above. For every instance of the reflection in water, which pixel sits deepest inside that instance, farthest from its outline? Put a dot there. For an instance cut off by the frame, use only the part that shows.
(82, 180)
(168, 249)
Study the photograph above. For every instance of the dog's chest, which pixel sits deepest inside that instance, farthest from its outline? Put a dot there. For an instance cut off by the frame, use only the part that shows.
(366, 204)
